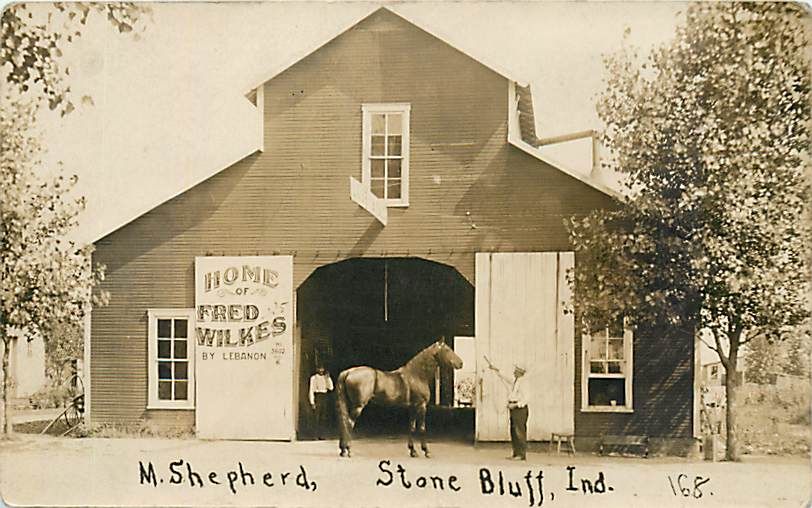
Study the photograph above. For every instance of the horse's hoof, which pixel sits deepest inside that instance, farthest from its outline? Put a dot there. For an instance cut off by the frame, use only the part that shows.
(428, 455)
(343, 453)
(412, 453)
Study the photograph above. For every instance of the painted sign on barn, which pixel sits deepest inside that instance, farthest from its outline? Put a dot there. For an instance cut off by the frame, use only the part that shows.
(244, 339)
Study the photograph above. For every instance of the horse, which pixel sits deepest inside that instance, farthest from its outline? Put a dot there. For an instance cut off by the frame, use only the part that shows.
(406, 386)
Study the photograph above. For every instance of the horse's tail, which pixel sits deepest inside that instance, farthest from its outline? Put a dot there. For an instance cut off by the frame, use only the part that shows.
(342, 410)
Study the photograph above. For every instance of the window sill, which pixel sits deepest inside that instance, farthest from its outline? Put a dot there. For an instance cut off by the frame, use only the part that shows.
(608, 409)
(397, 205)
(185, 408)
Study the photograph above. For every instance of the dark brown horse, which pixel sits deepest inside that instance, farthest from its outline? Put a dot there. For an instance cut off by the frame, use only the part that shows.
(406, 386)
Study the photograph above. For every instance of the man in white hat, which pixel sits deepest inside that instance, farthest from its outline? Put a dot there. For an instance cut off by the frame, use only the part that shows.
(517, 403)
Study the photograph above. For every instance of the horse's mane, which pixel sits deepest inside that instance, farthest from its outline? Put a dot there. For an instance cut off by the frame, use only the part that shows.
(422, 363)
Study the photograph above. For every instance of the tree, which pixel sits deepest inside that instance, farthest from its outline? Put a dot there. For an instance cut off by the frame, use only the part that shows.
(711, 133)
(797, 360)
(64, 346)
(32, 39)
(46, 282)
(762, 360)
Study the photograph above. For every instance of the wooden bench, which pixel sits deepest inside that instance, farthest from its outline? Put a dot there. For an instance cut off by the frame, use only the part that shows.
(567, 439)
(637, 443)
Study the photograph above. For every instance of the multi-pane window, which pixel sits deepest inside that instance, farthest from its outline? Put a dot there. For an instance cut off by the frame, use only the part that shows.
(386, 151)
(171, 370)
(607, 379)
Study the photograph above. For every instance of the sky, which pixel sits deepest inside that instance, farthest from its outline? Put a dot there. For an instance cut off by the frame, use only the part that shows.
(167, 110)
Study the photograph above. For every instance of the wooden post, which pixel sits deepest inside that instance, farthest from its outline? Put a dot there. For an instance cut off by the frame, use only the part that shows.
(437, 385)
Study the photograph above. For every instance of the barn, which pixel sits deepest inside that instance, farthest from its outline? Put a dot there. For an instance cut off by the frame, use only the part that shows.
(395, 195)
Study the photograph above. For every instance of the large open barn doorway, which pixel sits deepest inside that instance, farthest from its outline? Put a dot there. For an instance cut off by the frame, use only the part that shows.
(380, 312)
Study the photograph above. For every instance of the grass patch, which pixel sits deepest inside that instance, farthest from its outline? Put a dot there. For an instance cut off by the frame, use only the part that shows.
(143, 429)
(140, 429)
(37, 427)
(775, 420)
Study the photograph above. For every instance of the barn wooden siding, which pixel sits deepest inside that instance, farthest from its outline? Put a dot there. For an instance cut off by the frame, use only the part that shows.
(294, 198)
(662, 389)
(662, 393)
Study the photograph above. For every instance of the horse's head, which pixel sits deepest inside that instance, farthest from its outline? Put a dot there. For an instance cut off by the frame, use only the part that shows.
(446, 356)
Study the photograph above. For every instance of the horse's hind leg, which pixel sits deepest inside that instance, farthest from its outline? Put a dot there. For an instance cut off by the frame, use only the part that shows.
(349, 425)
(344, 425)
(421, 417)
(344, 437)
(354, 391)
(412, 425)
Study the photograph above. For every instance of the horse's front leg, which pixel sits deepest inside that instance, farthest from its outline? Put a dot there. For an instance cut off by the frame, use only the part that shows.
(421, 417)
(412, 426)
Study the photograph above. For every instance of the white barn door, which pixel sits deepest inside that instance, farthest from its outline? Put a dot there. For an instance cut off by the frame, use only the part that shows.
(244, 347)
(520, 319)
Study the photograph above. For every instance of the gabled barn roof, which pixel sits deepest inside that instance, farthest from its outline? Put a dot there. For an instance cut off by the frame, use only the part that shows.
(520, 97)
(521, 129)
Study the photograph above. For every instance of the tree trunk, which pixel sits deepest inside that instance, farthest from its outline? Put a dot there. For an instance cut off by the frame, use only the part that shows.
(732, 394)
(6, 418)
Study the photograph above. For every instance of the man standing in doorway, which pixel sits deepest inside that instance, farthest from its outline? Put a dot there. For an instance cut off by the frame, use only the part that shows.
(519, 412)
(320, 386)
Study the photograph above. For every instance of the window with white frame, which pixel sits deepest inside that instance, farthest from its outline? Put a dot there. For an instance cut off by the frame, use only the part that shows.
(606, 382)
(171, 359)
(385, 168)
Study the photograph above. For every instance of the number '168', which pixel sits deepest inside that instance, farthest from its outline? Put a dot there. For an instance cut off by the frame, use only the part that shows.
(682, 486)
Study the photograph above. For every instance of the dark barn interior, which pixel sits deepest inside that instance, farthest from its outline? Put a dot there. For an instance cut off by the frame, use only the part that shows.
(380, 312)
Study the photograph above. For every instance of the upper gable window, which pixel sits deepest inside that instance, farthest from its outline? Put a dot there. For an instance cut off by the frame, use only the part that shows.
(385, 169)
